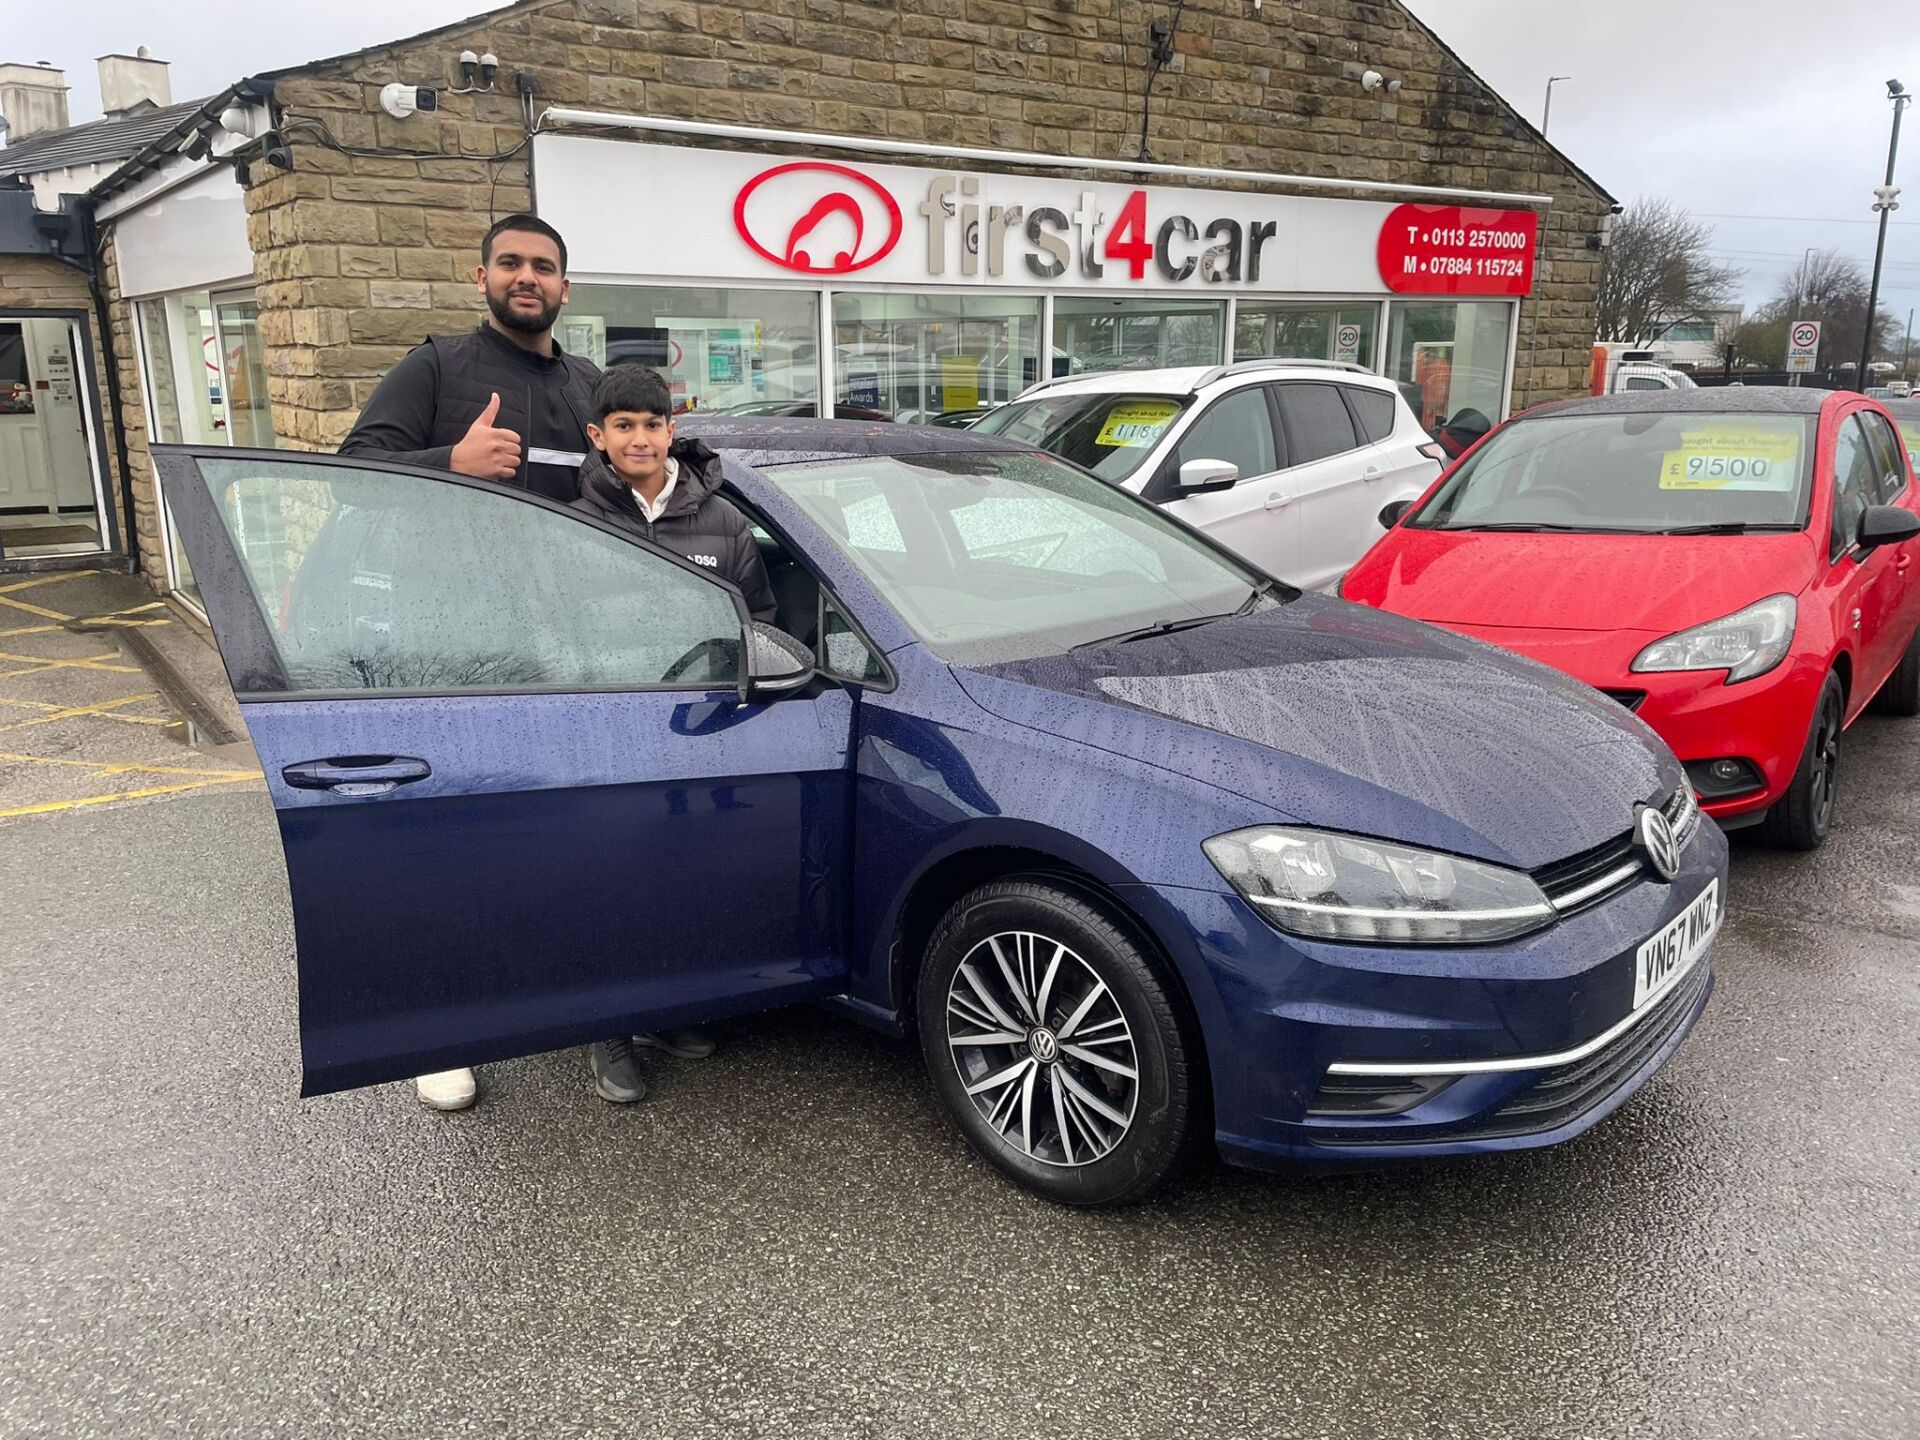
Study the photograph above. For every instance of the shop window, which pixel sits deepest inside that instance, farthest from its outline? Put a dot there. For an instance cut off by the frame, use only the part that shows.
(1135, 334)
(1270, 329)
(734, 351)
(915, 357)
(1451, 359)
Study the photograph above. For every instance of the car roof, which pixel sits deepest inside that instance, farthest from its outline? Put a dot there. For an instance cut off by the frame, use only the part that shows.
(762, 440)
(1185, 379)
(1741, 400)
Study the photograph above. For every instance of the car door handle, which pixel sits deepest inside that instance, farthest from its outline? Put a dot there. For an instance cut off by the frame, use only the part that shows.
(1277, 501)
(1370, 474)
(356, 774)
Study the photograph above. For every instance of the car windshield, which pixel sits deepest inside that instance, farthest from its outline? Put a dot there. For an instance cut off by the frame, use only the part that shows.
(1910, 435)
(998, 557)
(1110, 434)
(1632, 473)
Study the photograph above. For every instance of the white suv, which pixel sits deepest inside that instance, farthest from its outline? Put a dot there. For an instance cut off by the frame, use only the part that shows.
(1290, 463)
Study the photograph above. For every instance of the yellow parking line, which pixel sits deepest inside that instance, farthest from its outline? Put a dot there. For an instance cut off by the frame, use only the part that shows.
(81, 662)
(124, 767)
(50, 806)
(74, 712)
(19, 585)
(41, 611)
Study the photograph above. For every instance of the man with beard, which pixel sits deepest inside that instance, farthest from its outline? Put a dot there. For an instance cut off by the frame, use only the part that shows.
(502, 403)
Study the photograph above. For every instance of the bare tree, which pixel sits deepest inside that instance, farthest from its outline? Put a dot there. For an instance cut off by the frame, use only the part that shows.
(1826, 287)
(1658, 274)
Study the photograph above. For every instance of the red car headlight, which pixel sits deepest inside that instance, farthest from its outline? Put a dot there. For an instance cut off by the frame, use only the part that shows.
(1746, 643)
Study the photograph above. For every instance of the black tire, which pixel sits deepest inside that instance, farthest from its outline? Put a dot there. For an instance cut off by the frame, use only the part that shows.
(1901, 694)
(1040, 925)
(1801, 818)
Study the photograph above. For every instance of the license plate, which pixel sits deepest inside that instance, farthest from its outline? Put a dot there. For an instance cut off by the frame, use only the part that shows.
(1661, 961)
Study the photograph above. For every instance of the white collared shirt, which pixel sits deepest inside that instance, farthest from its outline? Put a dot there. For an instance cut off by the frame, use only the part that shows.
(658, 508)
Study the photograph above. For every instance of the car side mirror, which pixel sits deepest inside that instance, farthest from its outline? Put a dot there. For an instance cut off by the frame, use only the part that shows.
(777, 664)
(1391, 513)
(1887, 525)
(1199, 476)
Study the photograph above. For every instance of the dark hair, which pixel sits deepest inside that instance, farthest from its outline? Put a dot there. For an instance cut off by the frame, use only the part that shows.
(528, 224)
(634, 389)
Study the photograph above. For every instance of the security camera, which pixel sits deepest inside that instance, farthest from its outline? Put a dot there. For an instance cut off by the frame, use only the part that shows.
(1895, 89)
(1393, 87)
(1372, 80)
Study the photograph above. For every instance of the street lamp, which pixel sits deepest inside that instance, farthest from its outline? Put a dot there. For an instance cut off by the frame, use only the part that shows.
(1546, 114)
(1885, 200)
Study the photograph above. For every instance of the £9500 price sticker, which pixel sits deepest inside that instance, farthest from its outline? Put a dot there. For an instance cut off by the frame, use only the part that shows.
(1732, 459)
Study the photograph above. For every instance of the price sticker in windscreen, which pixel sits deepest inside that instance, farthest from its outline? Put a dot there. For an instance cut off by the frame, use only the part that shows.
(1133, 425)
(1732, 458)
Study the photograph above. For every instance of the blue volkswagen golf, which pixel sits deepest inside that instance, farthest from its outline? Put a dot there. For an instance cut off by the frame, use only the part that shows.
(1138, 842)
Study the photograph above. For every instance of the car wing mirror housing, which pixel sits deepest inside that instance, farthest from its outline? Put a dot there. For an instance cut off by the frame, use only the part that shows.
(1887, 525)
(777, 664)
(1196, 477)
(1392, 513)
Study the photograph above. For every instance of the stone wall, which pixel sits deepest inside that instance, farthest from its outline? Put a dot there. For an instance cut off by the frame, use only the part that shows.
(39, 282)
(358, 256)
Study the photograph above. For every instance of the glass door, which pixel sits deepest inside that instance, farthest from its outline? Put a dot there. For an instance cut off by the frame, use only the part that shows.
(50, 496)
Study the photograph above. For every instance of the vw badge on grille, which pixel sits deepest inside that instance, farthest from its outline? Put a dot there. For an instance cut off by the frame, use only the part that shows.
(1654, 836)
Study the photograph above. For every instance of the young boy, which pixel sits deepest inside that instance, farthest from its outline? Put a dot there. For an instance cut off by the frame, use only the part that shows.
(642, 479)
(637, 476)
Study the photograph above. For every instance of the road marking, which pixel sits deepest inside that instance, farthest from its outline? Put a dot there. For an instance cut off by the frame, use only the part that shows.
(42, 705)
(50, 806)
(73, 712)
(42, 663)
(123, 767)
(43, 580)
(40, 610)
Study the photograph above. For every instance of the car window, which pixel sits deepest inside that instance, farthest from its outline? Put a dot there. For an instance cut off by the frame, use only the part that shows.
(1888, 458)
(1855, 485)
(1016, 555)
(1634, 472)
(1641, 382)
(1373, 409)
(1237, 428)
(1110, 434)
(1910, 437)
(375, 581)
(1317, 421)
(847, 656)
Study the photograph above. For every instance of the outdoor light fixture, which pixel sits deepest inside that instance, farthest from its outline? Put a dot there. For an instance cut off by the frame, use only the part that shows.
(477, 72)
(469, 66)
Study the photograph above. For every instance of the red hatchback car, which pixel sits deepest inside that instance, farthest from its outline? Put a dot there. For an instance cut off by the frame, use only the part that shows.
(1736, 566)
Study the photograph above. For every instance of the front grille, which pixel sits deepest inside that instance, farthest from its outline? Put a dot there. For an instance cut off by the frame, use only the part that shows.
(1562, 1095)
(1632, 699)
(1572, 885)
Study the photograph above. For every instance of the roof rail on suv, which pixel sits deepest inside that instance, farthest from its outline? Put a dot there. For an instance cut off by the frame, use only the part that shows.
(1241, 367)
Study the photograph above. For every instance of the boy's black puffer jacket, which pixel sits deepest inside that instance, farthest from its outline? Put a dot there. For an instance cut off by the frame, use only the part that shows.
(699, 522)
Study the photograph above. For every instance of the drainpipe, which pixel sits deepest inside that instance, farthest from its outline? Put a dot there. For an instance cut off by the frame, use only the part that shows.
(103, 322)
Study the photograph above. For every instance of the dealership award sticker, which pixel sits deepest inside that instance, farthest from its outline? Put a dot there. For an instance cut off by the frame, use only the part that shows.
(1139, 423)
(1732, 458)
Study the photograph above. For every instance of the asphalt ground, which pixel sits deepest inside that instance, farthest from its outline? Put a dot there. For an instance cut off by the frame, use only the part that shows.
(788, 1240)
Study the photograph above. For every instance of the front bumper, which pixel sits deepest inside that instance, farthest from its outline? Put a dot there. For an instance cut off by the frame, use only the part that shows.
(1527, 1037)
(1763, 721)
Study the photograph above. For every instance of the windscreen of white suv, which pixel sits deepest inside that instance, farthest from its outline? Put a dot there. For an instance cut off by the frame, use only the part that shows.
(1109, 433)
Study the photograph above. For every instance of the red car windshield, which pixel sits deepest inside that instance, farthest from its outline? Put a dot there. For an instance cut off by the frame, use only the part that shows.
(1632, 473)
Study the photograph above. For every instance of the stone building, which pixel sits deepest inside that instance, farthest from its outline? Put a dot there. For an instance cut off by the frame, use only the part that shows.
(879, 208)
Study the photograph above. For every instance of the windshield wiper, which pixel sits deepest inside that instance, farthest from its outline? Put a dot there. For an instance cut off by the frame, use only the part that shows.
(1187, 622)
(1526, 526)
(1725, 527)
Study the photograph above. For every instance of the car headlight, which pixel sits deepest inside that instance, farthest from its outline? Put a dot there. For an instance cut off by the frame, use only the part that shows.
(1340, 887)
(1746, 643)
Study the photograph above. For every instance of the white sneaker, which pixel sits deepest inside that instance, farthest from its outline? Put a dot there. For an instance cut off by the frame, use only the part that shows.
(447, 1089)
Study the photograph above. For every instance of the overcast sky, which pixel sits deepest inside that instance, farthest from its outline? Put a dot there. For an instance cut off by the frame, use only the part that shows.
(1766, 118)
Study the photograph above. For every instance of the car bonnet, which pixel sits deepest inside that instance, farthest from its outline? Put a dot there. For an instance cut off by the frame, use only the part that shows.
(1358, 721)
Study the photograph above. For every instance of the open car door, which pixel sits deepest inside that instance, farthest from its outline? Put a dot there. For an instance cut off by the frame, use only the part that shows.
(522, 799)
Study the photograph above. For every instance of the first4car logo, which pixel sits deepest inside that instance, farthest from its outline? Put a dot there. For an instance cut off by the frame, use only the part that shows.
(817, 218)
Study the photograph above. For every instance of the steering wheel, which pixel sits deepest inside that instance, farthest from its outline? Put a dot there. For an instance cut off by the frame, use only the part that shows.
(1575, 500)
(713, 651)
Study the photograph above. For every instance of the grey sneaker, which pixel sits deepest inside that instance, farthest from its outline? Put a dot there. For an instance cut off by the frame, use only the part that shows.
(686, 1044)
(616, 1079)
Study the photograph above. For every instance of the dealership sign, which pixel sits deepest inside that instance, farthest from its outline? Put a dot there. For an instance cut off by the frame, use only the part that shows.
(676, 212)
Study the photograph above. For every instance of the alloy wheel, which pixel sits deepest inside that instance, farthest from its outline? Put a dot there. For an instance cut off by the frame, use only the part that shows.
(1042, 1048)
(1826, 763)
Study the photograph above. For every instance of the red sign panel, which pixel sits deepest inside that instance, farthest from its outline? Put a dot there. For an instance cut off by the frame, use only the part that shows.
(1451, 250)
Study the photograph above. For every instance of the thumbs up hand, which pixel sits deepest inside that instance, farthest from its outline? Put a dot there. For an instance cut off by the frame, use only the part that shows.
(487, 452)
